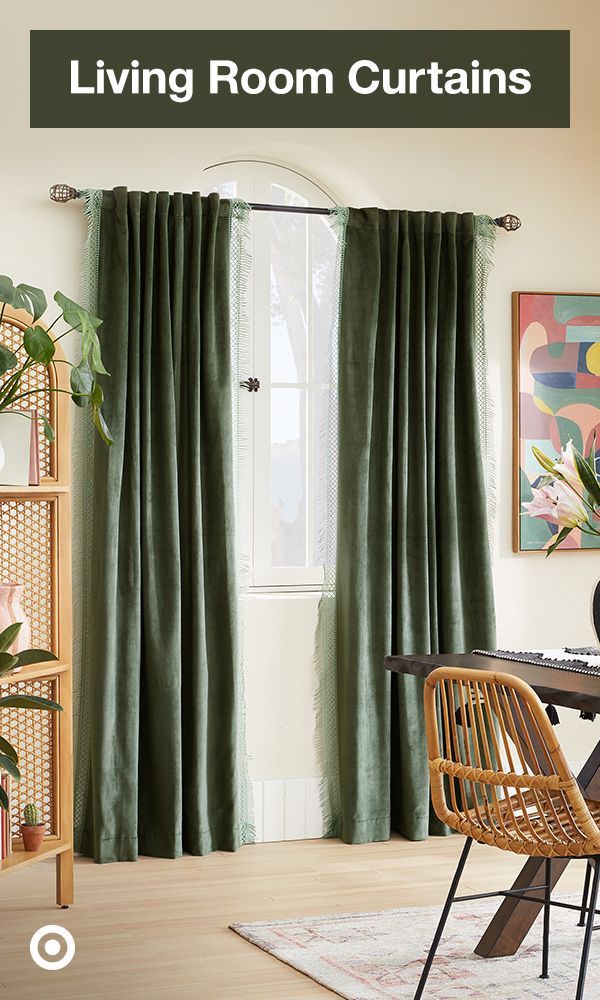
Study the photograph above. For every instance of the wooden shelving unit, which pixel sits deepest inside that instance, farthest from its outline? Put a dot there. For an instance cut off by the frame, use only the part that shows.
(35, 549)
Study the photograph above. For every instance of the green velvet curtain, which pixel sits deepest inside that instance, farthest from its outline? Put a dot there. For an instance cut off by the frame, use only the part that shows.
(163, 667)
(413, 566)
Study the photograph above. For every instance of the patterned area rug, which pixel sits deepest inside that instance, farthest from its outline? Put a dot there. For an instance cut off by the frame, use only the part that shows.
(367, 956)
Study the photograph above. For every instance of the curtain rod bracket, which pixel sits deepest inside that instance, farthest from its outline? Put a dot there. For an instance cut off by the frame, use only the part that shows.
(64, 192)
(509, 222)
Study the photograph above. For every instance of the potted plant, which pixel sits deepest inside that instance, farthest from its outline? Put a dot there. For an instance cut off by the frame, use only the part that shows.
(38, 348)
(9, 760)
(32, 828)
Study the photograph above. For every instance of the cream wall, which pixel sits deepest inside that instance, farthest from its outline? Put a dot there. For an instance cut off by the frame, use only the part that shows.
(548, 178)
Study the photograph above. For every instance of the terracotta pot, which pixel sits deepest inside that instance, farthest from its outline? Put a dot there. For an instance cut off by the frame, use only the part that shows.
(11, 611)
(33, 836)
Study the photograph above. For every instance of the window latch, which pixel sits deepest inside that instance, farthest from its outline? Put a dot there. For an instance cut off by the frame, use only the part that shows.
(251, 384)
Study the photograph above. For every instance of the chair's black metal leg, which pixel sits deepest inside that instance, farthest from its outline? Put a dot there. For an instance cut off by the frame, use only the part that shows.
(444, 917)
(589, 926)
(586, 889)
(546, 934)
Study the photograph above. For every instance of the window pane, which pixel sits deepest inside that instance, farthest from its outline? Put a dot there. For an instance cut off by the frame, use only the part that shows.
(320, 476)
(288, 297)
(227, 189)
(282, 195)
(288, 477)
(324, 292)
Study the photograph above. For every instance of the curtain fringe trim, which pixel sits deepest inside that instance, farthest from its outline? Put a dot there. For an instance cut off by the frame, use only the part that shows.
(485, 240)
(325, 654)
(83, 444)
(241, 265)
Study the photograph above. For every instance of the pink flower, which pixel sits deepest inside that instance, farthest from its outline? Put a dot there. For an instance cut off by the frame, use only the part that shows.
(567, 468)
(557, 503)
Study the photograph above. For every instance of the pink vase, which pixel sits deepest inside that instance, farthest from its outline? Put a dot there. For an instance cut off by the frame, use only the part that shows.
(11, 611)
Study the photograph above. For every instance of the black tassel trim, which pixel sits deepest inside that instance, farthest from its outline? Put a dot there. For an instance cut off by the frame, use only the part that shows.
(552, 715)
(588, 716)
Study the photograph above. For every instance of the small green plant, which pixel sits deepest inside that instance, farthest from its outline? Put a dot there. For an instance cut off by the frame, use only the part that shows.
(9, 760)
(31, 815)
(38, 348)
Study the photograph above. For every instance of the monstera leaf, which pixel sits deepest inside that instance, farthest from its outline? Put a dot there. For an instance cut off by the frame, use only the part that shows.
(8, 360)
(39, 347)
(78, 317)
(23, 296)
(82, 384)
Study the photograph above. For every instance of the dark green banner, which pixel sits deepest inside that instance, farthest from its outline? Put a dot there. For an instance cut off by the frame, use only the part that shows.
(322, 79)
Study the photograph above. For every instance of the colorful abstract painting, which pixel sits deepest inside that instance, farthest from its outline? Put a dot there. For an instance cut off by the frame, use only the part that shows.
(557, 383)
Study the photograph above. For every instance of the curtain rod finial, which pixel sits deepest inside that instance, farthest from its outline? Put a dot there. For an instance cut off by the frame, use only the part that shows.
(508, 222)
(63, 192)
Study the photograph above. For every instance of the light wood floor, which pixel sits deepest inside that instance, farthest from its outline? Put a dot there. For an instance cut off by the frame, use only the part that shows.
(158, 929)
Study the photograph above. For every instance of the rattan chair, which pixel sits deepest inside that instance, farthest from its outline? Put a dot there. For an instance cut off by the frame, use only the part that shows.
(499, 776)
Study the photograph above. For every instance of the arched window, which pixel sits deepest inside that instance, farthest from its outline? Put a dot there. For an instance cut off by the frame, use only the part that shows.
(291, 298)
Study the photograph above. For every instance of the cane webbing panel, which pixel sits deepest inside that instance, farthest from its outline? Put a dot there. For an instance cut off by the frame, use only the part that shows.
(26, 557)
(36, 377)
(32, 735)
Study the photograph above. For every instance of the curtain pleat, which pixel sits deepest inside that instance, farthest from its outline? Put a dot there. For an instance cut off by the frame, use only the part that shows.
(413, 565)
(163, 668)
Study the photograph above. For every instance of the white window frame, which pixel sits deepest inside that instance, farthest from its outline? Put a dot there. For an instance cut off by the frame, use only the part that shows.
(252, 183)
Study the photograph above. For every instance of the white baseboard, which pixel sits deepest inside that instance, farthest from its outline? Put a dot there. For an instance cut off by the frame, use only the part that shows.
(290, 808)
(287, 809)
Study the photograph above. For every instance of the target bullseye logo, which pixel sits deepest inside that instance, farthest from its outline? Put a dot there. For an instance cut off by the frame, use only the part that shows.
(47, 944)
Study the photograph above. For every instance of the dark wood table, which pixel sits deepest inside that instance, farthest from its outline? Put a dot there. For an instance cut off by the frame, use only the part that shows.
(514, 918)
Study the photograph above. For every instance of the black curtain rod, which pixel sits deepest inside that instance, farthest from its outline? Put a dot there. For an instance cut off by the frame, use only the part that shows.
(258, 206)
(63, 193)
